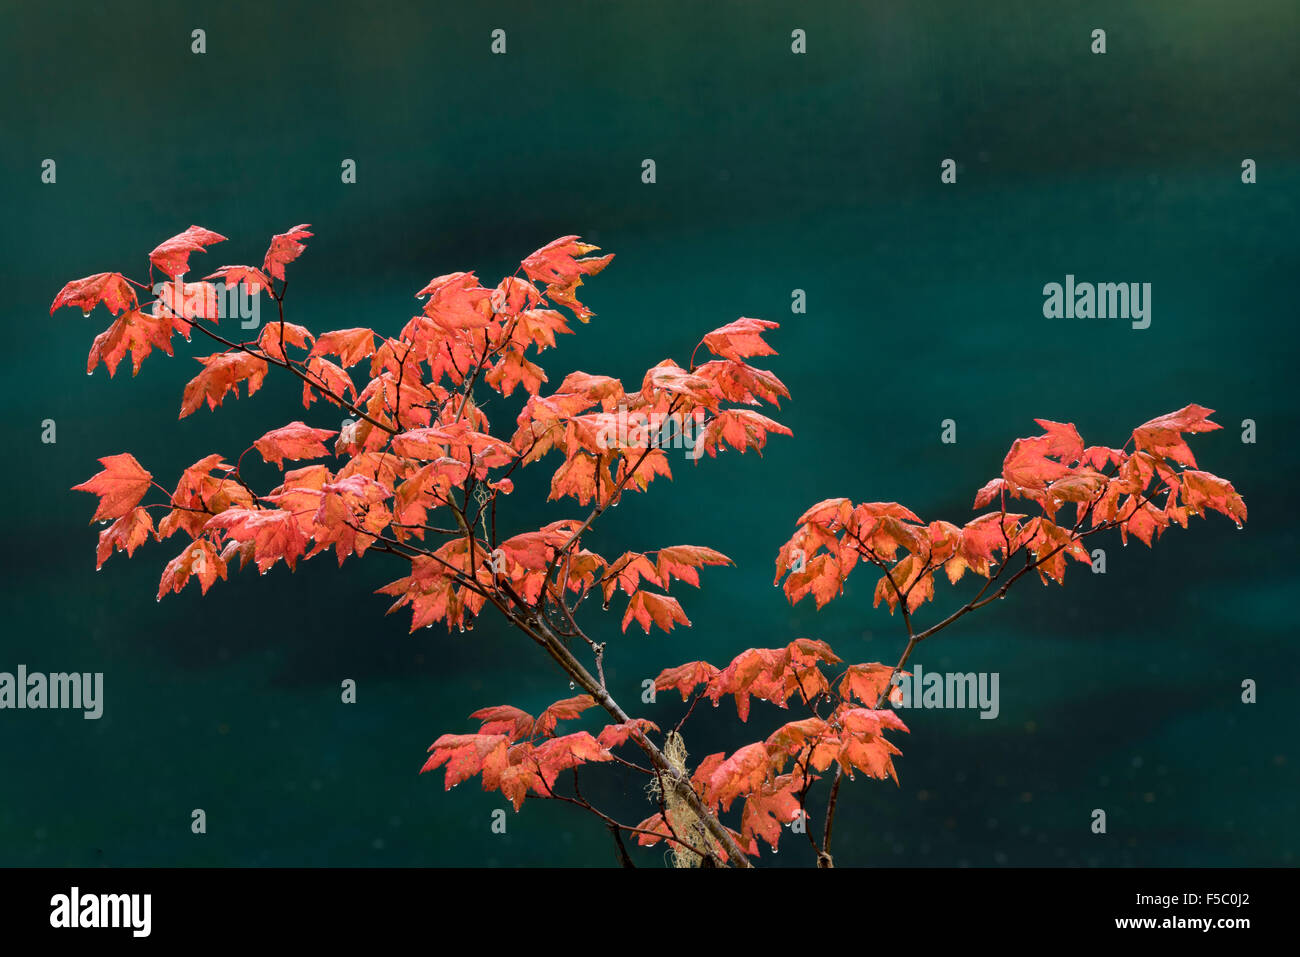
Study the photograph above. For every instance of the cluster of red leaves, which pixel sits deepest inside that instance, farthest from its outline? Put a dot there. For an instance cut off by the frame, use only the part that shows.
(419, 438)
(851, 734)
(1141, 489)
(517, 753)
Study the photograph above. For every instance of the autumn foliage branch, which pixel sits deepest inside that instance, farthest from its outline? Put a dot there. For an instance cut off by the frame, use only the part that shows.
(418, 449)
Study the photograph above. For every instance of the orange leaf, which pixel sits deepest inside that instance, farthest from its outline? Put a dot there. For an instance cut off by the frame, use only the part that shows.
(565, 710)
(172, 256)
(680, 561)
(199, 558)
(686, 677)
(120, 486)
(297, 440)
(741, 339)
(350, 345)
(222, 373)
(1162, 436)
(646, 607)
(284, 248)
(110, 288)
(466, 755)
(126, 534)
(555, 262)
(269, 338)
(743, 772)
(865, 682)
(274, 534)
(768, 809)
(254, 279)
(507, 720)
(612, 735)
(137, 331)
(330, 376)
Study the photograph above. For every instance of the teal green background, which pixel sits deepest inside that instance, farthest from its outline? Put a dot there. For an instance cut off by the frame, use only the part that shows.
(775, 172)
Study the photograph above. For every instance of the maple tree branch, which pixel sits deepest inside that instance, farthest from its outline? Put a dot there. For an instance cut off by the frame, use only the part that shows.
(824, 858)
(1076, 535)
(279, 303)
(623, 858)
(401, 374)
(979, 601)
(696, 699)
(631, 765)
(426, 528)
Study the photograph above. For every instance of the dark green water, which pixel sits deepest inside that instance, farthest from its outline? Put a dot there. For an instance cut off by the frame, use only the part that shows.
(775, 172)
